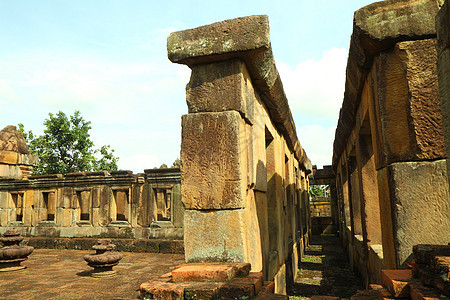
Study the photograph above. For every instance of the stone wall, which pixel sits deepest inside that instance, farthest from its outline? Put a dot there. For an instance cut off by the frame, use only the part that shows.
(116, 204)
(244, 174)
(389, 156)
(443, 52)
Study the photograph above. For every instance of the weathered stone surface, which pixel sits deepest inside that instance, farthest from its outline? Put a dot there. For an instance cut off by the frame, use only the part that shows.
(12, 139)
(214, 160)
(443, 28)
(203, 272)
(409, 103)
(216, 87)
(418, 191)
(219, 242)
(378, 27)
(247, 39)
(396, 281)
(443, 49)
(215, 41)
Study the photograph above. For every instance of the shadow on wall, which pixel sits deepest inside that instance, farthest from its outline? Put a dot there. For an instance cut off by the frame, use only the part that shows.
(281, 214)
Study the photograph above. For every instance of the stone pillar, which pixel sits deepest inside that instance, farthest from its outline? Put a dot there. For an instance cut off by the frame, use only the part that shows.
(238, 117)
(443, 63)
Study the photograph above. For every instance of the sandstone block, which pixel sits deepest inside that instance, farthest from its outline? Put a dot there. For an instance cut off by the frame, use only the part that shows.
(202, 290)
(236, 290)
(396, 281)
(421, 292)
(384, 294)
(12, 139)
(213, 152)
(411, 119)
(443, 49)
(162, 290)
(378, 27)
(443, 27)
(247, 39)
(203, 272)
(267, 288)
(219, 242)
(217, 87)
(214, 41)
(9, 157)
(419, 196)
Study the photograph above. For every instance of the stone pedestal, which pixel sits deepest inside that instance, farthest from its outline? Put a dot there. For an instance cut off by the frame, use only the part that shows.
(103, 260)
(12, 254)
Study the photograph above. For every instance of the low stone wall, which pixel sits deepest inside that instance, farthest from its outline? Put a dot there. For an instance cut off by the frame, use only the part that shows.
(94, 204)
(127, 245)
(389, 156)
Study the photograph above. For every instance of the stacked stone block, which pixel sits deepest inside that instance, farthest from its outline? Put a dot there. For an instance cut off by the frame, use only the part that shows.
(210, 281)
(389, 154)
(243, 172)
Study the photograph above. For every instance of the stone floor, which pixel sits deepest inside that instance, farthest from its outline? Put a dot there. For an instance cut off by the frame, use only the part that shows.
(325, 271)
(63, 274)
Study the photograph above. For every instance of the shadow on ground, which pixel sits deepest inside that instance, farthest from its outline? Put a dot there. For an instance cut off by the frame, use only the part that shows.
(324, 270)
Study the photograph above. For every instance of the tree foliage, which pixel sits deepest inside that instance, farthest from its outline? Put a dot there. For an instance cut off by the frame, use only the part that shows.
(319, 190)
(176, 163)
(66, 146)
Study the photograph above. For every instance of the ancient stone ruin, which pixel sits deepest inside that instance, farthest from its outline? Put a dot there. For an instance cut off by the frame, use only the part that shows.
(241, 198)
(116, 204)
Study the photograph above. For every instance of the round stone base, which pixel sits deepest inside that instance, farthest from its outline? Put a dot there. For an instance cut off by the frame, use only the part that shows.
(103, 274)
(11, 264)
(13, 268)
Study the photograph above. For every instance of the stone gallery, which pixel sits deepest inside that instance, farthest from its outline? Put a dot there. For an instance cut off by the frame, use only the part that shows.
(240, 201)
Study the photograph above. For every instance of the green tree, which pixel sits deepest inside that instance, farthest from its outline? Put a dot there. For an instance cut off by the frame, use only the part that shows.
(176, 163)
(66, 146)
(319, 190)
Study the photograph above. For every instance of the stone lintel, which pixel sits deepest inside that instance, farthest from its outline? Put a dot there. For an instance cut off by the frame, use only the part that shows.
(377, 27)
(246, 38)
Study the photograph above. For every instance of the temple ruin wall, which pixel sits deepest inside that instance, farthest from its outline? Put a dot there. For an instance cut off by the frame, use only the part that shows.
(244, 174)
(115, 204)
(389, 156)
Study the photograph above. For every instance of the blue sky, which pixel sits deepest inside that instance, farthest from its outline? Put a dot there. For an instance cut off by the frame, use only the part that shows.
(108, 59)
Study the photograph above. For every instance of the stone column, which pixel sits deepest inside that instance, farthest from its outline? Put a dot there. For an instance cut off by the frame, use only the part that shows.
(237, 112)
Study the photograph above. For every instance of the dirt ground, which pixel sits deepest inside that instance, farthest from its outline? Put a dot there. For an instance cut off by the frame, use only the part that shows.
(63, 274)
(325, 271)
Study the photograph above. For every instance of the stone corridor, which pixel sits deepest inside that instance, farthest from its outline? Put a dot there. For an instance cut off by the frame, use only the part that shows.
(325, 271)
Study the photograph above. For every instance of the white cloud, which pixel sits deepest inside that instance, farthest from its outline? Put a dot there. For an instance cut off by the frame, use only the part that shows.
(315, 91)
(317, 140)
(135, 107)
(139, 162)
(315, 88)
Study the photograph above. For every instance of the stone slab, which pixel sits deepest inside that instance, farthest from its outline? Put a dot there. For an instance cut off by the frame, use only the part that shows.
(216, 87)
(396, 281)
(203, 272)
(213, 152)
(219, 243)
(419, 198)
